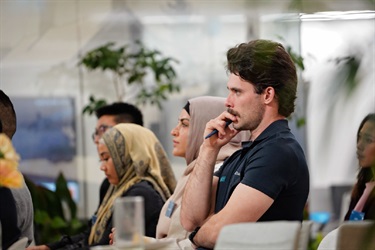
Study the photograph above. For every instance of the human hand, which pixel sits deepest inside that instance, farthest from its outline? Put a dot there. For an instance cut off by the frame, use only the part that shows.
(41, 247)
(224, 133)
(112, 236)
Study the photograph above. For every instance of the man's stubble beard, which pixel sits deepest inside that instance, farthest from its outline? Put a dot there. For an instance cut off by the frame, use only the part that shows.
(253, 119)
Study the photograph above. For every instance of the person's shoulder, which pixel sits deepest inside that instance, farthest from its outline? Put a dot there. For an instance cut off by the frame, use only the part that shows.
(140, 188)
(6, 193)
(281, 141)
(22, 193)
(143, 185)
(145, 189)
(277, 150)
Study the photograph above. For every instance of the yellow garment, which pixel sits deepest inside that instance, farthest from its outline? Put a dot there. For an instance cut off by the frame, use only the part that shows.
(137, 155)
(10, 177)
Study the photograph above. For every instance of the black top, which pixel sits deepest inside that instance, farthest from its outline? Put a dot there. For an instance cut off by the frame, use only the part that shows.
(275, 165)
(153, 203)
(10, 233)
(368, 208)
(103, 190)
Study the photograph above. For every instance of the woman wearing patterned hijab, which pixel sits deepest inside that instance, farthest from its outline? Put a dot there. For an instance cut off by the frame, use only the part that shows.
(135, 164)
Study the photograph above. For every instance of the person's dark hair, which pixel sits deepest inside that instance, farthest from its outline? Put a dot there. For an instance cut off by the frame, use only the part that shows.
(364, 174)
(123, 112)
(265, 63)
(7, 115)
(187, 107)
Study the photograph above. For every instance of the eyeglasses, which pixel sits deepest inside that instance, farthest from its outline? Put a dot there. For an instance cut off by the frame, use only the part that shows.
(100, 131)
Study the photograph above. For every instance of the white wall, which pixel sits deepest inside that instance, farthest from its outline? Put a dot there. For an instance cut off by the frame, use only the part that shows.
(333, 110)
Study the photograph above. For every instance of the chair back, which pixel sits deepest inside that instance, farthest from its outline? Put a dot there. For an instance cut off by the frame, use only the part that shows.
(356, 235)
(329, 241)
(259, 235)
(304, 235)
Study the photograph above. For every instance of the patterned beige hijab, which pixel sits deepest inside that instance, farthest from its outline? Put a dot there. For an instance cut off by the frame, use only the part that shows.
(137, 155)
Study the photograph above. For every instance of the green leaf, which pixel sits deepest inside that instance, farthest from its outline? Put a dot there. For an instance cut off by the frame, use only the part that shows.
(49, 219)
(301, 122)
(58, 222)
(41, 217)
(132, 67)
(64, 194)
(297, 59)
(93, 105)
(76, 224)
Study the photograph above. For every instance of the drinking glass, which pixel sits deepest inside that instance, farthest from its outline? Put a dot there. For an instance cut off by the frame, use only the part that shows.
(129, 223)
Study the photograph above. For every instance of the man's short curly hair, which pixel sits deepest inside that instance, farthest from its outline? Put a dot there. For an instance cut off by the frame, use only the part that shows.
(265, 63)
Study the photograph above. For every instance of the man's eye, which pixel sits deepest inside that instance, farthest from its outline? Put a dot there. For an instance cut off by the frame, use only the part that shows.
(369, 140)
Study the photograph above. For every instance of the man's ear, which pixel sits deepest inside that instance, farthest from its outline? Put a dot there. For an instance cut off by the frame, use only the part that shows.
(269, 95)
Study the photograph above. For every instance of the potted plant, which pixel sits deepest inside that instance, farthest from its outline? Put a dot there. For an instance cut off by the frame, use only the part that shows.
(130, 66)
(51, 220)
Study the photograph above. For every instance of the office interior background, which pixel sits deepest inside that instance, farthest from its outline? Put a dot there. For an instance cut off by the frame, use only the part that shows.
(42, 41)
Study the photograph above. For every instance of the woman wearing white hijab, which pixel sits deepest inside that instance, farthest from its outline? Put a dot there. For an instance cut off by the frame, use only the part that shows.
(188, 136)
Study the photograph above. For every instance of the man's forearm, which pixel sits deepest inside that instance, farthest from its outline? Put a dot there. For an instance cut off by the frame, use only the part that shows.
(206, 235)
(196, 201)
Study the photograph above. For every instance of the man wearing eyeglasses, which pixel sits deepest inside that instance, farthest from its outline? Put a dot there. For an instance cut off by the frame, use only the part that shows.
(113, 114)
(109, 116)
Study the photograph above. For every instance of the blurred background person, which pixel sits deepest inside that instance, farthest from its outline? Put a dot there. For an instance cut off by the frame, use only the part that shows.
(362, 202)
(22, 196)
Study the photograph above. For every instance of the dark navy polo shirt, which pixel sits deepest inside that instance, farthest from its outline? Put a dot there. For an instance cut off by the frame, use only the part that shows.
(275, 165)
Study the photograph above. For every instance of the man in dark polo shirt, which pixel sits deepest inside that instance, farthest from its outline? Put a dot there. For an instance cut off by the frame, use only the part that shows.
(268, 179)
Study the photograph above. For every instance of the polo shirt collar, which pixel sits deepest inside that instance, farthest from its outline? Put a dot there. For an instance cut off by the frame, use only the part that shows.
(276, 126)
